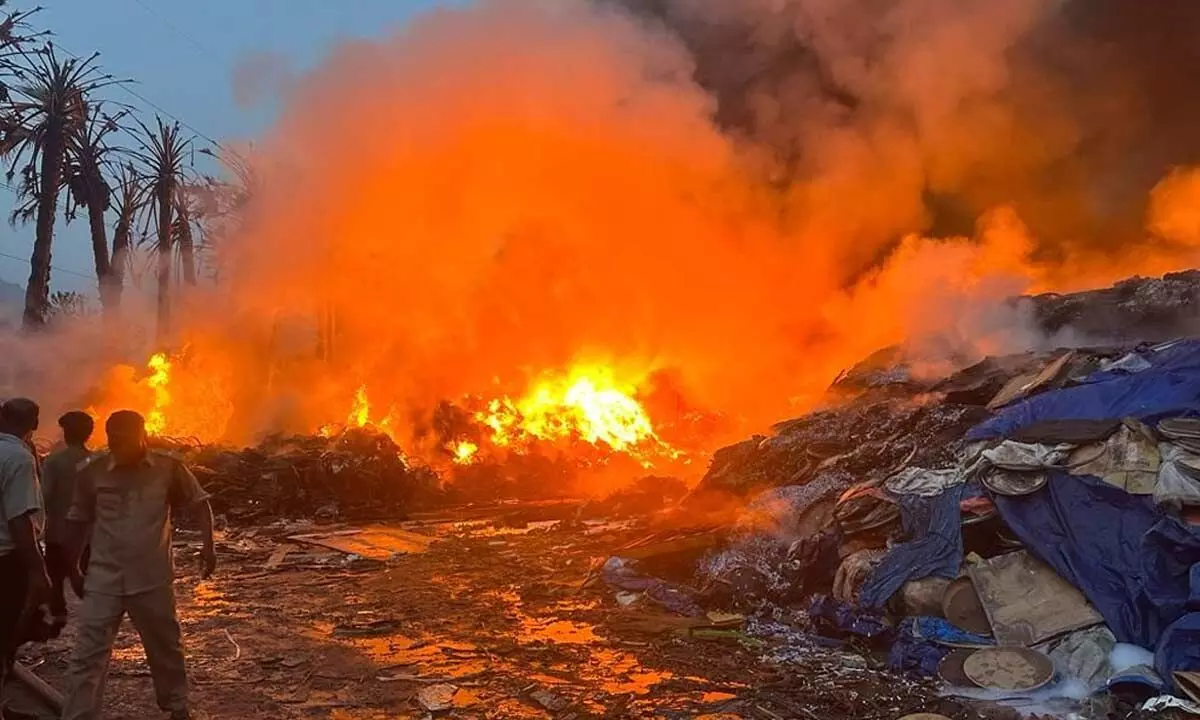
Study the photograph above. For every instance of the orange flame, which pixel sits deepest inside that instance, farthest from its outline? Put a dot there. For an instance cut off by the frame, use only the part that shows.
(160, 377)
(360, 415)
(463, 451)
(186, 397)
(587, 404)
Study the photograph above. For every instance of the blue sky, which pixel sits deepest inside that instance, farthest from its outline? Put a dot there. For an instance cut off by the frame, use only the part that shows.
(183, 55)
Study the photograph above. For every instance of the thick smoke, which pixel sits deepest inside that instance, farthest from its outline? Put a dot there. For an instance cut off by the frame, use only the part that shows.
(743, 194)
(1067, 110)
(725, 201)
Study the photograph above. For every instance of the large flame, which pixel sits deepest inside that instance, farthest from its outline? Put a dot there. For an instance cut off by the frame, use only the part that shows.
(587, 403)
(180, 397)
(469, 210)
(160, 377)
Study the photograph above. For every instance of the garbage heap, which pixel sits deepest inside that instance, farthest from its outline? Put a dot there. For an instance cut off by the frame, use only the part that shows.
(357, 474)
(1026, 529)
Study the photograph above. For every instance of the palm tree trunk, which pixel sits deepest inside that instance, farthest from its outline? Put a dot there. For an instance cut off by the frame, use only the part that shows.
(120, 253)
(37, 291)
(165, 192)
(104, 270)
(187, 251)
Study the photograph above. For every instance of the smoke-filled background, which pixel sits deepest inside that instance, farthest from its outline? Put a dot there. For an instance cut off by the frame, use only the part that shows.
(724, 202)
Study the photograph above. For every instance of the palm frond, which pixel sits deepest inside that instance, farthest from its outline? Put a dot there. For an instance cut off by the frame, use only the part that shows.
(51, 96)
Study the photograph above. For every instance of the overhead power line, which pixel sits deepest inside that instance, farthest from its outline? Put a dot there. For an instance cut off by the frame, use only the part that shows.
(125, 87)
(52, 267)
(175, 28)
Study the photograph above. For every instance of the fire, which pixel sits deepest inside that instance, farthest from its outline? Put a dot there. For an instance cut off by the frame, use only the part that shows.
(587, 404)
(360, 415)
(180, 395)
(563, 189)
(463, 451)
(160, 377)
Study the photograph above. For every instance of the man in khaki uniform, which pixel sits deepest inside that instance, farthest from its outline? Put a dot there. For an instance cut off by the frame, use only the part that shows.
(128, 497)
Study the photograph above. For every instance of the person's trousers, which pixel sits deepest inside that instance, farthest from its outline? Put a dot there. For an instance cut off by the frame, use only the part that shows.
(59, 566)
(14, 592)
(153, 616)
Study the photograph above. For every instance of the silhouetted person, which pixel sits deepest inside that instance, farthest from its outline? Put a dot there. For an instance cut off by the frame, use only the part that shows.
(59, 474)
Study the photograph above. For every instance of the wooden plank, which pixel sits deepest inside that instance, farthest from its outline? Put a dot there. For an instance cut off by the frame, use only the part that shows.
(50, 697)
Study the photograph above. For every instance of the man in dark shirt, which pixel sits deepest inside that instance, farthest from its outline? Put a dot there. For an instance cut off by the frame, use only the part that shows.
(59, 473)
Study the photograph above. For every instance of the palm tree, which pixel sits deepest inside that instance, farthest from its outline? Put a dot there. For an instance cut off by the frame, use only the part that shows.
(182, 229)
(15, 33)
(87, 161)
(130, 198)
(162, 152)
(47, 106)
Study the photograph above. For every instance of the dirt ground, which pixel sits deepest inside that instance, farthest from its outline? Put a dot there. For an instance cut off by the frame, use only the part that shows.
(494, 621)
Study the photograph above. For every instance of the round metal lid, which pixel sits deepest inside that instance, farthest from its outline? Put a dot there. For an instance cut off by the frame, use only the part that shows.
(950, 669)
(1008, 482)
(1009, 668)
(961, 606)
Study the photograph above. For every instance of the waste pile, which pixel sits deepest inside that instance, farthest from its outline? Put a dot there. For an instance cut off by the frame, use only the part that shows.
(357, 474)
(1025, 530)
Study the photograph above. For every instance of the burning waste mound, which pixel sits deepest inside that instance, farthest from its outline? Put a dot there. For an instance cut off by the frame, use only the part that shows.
(357, 474)
(1038, 511)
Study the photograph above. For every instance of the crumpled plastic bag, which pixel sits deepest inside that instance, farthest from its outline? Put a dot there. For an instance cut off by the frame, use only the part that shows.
(923, 481)
(1178, 478)
(1128, 459)
(1010, 455)
(853, 572)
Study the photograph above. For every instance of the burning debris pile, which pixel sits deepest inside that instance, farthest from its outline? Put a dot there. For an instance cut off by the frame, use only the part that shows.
(1037, 511)
(357, 474)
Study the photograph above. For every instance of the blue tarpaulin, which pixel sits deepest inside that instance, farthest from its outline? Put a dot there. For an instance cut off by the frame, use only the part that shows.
(935, 526)
(1137, 566)
(1179, 648)
(1170, 387)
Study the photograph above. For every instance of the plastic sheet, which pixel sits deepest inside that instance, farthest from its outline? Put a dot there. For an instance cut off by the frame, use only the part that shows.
(935, 526)
(1171, 386)
(1134, 564)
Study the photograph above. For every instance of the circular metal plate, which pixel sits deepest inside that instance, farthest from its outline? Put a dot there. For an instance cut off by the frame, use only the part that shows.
(961, 606)
(1009, 668)
(1008, 482)
(950, 668)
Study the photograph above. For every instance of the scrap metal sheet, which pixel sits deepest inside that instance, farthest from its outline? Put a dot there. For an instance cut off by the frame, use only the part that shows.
(1027, 602)
(376, 542)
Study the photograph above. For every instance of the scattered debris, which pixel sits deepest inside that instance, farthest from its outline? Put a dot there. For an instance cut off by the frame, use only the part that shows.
(376, 542)
(374, 628)
(1026, 602)
(437, 698)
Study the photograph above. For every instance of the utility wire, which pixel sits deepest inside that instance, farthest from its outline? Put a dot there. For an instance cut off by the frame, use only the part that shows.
(52, 267)
(125, 86)
(175, 28)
